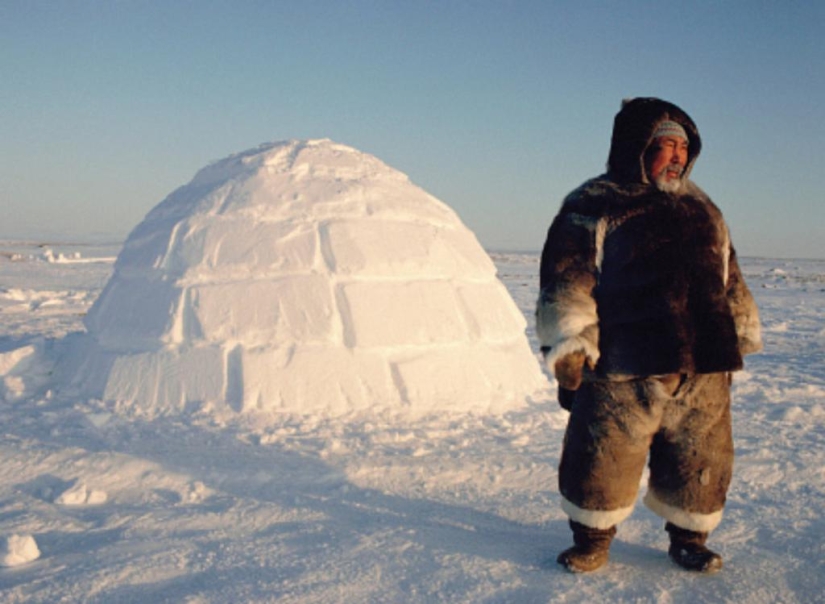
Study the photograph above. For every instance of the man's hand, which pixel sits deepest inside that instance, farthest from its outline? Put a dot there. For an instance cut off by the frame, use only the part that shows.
(568, 370)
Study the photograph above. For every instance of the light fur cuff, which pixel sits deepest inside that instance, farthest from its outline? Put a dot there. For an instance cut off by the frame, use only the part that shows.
(692, 521)
(749, 331)
(599, 519)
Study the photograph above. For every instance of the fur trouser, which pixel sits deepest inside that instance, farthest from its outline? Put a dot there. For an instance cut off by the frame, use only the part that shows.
(684, 428)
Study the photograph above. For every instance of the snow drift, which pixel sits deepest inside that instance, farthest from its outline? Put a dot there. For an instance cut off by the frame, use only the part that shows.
(306, 276)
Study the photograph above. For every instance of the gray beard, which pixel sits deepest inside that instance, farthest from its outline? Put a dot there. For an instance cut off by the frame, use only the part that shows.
(669, 186)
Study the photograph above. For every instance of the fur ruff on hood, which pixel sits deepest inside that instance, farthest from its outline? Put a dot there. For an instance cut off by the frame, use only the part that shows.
(633, 129)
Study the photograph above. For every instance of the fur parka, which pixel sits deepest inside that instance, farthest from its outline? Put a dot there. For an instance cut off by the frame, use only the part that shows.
(644, 282)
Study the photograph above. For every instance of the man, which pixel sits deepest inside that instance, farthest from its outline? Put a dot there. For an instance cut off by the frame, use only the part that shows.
(642, 317)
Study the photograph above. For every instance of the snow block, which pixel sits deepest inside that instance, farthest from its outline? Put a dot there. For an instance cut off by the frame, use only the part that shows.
(231, 249)
(167, 380)
(135, 313)
(316, 379)
(271, 312)
(420, 250)
(402, 314)
(490, 313)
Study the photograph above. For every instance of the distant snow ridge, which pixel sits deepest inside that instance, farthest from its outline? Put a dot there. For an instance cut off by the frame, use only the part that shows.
(302, 277)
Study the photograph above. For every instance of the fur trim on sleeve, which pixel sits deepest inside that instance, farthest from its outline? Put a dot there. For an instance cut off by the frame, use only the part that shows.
(568, 324)
(743, 307)
(749, 331)
(567, 319)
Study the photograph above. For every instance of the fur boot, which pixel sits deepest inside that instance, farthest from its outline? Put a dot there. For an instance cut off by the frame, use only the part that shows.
(591, 549)
(687, 549)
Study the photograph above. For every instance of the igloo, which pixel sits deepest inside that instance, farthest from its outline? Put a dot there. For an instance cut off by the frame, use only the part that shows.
(304, 277)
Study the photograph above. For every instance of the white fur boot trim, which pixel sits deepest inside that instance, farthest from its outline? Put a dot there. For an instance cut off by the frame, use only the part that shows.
(701, 523)
(600, 519)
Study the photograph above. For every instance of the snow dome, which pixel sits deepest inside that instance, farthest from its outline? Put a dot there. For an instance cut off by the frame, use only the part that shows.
(300, 277)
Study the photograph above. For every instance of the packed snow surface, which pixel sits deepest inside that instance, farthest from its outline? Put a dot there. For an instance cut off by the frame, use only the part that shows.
(454, 506)
(305, 276)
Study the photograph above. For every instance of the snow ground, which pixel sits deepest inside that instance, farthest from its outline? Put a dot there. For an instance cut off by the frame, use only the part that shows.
(450, 508)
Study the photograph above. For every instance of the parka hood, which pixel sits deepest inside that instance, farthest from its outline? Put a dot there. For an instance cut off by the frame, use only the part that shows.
(633, 130)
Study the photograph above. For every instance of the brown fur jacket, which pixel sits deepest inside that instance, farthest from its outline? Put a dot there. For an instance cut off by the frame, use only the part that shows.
(645, 282)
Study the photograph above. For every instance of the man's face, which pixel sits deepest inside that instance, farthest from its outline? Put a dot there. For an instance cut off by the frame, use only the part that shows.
(666, 161)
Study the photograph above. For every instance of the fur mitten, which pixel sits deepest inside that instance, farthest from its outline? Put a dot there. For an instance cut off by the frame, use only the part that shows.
(568, 370)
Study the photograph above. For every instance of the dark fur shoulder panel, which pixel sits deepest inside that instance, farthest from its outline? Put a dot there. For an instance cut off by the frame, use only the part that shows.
(603, 198)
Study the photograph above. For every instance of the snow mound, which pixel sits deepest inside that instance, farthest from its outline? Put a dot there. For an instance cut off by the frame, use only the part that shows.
(303, 277)
(18, 549)
(22, 371)
(80, 494)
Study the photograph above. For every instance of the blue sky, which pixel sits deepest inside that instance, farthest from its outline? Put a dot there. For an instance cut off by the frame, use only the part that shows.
(496, 108)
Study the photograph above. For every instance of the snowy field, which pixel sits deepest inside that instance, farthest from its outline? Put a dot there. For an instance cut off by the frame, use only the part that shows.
(99, 504)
